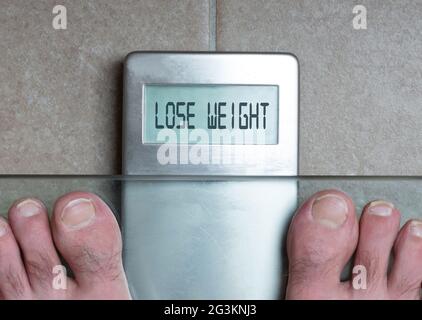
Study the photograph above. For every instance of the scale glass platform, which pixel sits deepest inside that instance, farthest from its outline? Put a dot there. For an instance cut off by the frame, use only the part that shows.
(209, 251)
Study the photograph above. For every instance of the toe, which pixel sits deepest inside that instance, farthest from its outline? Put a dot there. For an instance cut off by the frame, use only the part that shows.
(87, 235)
(379, 225)
(29, 222)
(14, 283)
(406, 275)
(321, 239)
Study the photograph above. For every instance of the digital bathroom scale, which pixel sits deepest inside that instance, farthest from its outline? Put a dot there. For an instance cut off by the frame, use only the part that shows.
(211, 134)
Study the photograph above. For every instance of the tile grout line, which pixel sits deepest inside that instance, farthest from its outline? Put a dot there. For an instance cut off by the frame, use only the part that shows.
(212, 34)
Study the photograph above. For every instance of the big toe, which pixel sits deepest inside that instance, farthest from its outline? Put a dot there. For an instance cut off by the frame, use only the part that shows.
(321, 239)
(29, 221)
(87, 235)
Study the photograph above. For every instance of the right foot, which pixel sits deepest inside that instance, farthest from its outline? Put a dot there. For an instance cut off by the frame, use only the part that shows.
(84, 231)
(324, 235)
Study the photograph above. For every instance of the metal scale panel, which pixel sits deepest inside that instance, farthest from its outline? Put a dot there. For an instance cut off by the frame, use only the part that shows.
(208, 231)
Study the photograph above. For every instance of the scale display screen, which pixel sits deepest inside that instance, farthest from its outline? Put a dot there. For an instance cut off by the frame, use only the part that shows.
(211, 114)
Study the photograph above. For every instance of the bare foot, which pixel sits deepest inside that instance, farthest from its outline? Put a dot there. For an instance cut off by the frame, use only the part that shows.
(84, 231)
(325, 234)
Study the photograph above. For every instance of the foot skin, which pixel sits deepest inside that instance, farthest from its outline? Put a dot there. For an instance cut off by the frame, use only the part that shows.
(83, 230)
(325, 233)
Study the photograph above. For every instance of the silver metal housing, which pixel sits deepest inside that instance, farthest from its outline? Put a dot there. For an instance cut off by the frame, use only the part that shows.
(188, 233)
(142, 68)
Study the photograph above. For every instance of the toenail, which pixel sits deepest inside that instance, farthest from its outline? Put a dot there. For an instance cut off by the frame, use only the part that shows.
(29, 208)
(416, 228)
(78, 213)
(380, 208)
(330, 210)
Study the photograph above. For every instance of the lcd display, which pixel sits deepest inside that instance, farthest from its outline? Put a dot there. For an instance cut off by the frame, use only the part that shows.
(210, 114)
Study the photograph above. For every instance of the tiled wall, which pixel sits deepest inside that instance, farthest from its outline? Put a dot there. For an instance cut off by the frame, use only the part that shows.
(360, 90)
(61, 90)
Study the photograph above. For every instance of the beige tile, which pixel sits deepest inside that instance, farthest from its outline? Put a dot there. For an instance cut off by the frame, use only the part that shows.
(61, 91)
(361, 90)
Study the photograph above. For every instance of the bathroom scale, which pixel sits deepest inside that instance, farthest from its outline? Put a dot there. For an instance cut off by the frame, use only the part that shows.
(210, 140)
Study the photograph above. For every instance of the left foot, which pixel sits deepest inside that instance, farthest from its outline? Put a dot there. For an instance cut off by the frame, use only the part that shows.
(84, 231)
